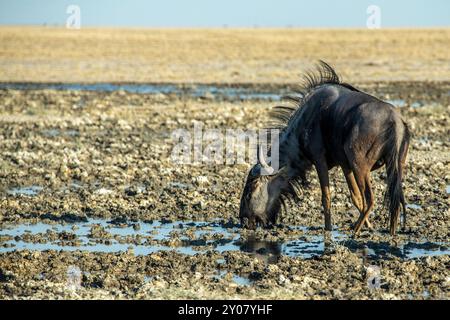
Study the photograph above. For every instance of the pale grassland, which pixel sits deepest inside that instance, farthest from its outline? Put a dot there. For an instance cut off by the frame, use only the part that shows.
(219, 55)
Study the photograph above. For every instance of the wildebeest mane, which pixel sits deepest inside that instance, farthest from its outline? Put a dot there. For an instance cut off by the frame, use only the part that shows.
(323, 74)
(282, 116)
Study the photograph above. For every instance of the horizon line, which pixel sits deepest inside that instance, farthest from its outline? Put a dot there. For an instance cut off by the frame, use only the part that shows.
(62, 26)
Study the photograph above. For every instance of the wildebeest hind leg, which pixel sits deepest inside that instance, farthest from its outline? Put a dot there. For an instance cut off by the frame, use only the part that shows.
(355, 194)
(368, 197)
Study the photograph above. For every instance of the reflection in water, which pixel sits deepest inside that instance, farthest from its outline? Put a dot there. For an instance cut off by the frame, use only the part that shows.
(309, 247)
(206, 236)
(266, 251)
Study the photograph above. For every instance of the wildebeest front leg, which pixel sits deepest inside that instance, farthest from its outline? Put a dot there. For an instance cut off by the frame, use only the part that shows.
(322, 172)
(355, 193)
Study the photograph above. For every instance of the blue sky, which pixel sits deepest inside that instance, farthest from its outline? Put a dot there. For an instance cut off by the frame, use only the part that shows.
(232, 13)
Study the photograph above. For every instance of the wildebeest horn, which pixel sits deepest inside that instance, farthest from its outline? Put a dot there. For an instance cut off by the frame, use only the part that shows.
(261, 159)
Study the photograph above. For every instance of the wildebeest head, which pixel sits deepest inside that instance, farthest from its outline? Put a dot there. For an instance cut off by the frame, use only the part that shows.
(261, 199)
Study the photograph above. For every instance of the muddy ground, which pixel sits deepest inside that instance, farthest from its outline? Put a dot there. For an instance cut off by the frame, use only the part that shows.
(97, 162)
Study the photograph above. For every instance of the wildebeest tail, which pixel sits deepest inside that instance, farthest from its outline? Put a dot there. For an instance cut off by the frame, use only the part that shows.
(396, 147)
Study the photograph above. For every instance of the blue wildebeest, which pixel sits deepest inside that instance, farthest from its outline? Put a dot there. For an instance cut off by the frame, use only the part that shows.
(332, 124)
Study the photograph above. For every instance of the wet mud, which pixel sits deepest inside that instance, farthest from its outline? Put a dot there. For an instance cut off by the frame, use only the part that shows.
(91, 205)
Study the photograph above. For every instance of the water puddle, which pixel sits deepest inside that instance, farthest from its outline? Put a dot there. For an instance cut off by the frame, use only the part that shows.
(202, 91)
(25, 191)
(400, 103)
(197, 91)
(189, 237)
(242, 281)
(232, 277)
(406, 251)
(417, 104)
(57, 132)
(98, 235)
(413, 206)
